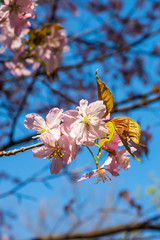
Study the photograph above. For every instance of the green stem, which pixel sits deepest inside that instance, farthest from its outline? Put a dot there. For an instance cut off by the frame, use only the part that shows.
(96, 144)
(93, 156)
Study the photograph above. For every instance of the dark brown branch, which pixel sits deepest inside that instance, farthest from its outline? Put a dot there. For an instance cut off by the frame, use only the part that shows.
(134, 97)
(103, 56)
(143, 102)
(145, 225)
(16, 142)
(59, 93)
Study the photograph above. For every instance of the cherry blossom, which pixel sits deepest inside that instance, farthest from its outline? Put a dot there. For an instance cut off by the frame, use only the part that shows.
(63, 132)
(86, 124)
(9, 39)
(113, 144)
(50, 52)
(17, 68)
(52, 123)
(100, 173)
(119, 159)
(112, 164)
(57, 150)
(74, 148)
(17, 12)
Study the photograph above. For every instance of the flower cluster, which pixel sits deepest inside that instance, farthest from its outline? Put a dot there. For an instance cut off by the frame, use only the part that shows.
(14, 21)
(46, 46)
(63, 132)
(43, 47)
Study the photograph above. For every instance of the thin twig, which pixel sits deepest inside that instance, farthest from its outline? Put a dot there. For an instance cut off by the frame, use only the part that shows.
(108, 55)
(22, 149)
(137, 105)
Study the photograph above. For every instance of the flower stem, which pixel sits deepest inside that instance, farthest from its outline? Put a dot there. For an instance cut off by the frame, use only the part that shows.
(97, 145)
(93, 156)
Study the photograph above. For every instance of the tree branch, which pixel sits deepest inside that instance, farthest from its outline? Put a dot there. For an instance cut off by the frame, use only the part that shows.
(16, 142)
(143, 102)
(22, 149)
(103, 56)
(144, 225)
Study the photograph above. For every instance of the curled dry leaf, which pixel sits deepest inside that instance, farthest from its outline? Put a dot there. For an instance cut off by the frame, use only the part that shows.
(127, 127)
(104, 94)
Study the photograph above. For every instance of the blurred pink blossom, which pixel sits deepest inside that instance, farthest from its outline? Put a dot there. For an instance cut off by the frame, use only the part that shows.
(17, 12)
(50, 53)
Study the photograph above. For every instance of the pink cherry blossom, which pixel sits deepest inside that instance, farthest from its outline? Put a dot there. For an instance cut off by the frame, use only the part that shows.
(9, 39)
(86, 123)
(100, 173)
(52, 123)
(51, 51)
(74, 148)
(113, 144)
(111, 165)
(17, 12)
(17, 68)
(57, 150)
(20, 63)
(122, 159)
(119, 159)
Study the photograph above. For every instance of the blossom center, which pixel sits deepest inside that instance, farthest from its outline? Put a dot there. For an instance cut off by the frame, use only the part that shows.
(85, 119)
(57, 151)
(124, 159)
(102, 176)
(42, 130)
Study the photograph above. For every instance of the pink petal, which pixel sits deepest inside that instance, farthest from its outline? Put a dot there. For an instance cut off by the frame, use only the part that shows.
(34, 121)
(82, 105)
(42, 152)
(68, 118)
(107, 162)
(99, 130)
(48, 139)
(97, 109)
(56, 166)
(53, 118)
(112, 166)
(121, 152)
(88, 175)
(6, 2)
(56, 132)
(64, 143)
(74, 148)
